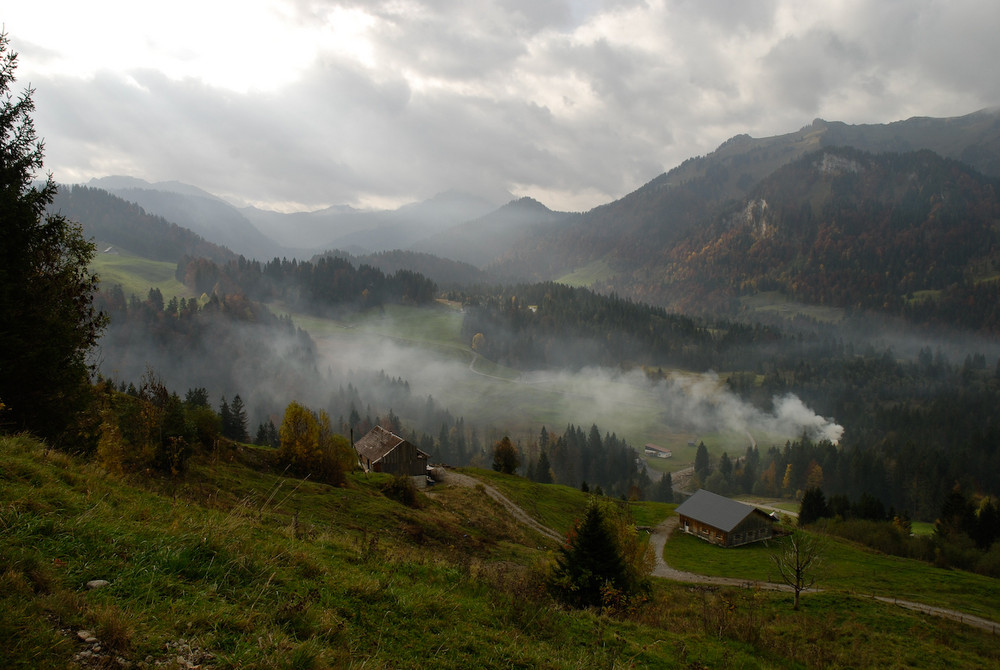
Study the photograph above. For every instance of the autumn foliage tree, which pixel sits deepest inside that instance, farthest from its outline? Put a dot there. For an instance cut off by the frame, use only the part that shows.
(148, 429)
(311, 448)
(506, 459)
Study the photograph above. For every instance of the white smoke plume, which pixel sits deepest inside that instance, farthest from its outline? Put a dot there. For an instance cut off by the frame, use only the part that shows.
(703, 403)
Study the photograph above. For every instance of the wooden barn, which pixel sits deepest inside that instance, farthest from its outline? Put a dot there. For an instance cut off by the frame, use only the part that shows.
(382, 451)
(657, 451)
(722, 521)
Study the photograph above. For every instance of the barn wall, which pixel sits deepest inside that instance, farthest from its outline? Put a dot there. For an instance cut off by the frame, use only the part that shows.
(754, 528)
(703, 530)
(405, 459)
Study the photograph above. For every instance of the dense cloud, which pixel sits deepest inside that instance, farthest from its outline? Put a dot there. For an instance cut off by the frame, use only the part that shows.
(298, 104)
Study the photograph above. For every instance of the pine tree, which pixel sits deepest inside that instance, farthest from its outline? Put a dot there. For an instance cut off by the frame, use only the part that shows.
(543, 469)
(701, 462)
(813, 506)
(603, 555)
(238, 420)
(49, 322)
(664, 491)
(226, 416)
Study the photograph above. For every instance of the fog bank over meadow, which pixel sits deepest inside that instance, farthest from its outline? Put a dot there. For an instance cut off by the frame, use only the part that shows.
(626, 403)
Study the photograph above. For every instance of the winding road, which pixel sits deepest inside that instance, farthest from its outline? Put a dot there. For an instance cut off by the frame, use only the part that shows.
(658, 539)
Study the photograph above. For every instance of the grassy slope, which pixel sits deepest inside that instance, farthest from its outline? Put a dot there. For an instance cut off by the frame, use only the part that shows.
(137, 275)
(257, 570)
(587, 275)
(848, 568)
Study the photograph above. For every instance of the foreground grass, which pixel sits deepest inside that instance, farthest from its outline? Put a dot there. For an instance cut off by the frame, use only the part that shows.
(252, 569)
(847, 568)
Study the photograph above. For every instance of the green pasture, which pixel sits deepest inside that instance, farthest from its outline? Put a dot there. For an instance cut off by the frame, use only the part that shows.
(137, 275)
(845, 568)
(587, 275)
(776, 302)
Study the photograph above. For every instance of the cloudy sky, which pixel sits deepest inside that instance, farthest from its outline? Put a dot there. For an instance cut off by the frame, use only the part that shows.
(300, 104)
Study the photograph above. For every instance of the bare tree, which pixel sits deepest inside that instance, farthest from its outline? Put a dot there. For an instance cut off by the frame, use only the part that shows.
(796, 562)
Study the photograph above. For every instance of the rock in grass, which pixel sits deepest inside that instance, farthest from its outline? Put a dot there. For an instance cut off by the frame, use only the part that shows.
(97, 583)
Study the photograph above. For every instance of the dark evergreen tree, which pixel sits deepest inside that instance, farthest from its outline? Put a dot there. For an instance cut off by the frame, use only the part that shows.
(664, 489)
(238, 420)
(589, 561)
(226, 416)
(196, 397)
(726, 466)
(49, 322)
(262, 438)
(813, 506)
(543, 469)
(702, 467)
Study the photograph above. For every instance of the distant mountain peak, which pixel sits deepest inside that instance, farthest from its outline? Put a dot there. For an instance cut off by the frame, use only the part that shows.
(526, 203)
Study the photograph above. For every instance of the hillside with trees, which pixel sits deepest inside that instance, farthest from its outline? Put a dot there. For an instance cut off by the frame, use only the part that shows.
(327, 286)
(635, 234)
(906, 234)
(111, 220)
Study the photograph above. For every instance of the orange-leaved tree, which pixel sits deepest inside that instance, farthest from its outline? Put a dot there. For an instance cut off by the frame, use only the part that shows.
(311, 448)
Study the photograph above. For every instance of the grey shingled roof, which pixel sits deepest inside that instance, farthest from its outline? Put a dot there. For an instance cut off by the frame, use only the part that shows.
(715, 510)
(377, 443)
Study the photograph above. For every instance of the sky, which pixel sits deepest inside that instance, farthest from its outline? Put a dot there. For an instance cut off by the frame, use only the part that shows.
(302, 104)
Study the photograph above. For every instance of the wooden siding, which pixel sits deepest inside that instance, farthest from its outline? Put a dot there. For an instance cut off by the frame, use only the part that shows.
(405, 459)
(756, 527)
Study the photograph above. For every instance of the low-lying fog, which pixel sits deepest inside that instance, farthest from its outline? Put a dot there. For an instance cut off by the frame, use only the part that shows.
(626, 403)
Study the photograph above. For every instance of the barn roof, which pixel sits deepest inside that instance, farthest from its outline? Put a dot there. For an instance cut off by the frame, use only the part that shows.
(715, 510)
(377, 443)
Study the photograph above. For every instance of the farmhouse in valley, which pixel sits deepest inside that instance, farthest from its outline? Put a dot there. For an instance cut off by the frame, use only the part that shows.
(722, 521)
(658, 452)
(382, 451)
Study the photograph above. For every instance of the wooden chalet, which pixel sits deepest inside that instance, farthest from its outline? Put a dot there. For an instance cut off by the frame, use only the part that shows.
(722, 521)
(382, 451)
(657, 451)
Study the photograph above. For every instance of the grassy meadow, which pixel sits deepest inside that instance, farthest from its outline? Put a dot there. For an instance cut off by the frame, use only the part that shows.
(587, 275)
(847, 568)
(137, 275)
(235, 565)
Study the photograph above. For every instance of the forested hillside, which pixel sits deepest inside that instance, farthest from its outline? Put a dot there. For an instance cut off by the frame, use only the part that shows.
(549, 325)
(446, 273)
(906, 234)
(327, 286)
(635, 235)
(114, 221)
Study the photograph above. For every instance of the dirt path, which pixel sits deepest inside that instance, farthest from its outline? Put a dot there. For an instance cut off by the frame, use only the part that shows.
(658, 539)
(459, 479)
(661, 533)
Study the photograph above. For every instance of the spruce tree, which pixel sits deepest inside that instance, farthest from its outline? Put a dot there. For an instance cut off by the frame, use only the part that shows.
(238, 420)
(543, 469)
(590, 561)
(49, 322)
